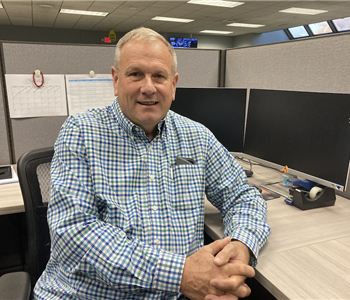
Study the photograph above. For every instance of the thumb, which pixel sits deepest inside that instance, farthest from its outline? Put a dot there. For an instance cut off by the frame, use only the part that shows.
(218, 245)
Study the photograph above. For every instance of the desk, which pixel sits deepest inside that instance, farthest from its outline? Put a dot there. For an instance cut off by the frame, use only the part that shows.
(306, 257)
(308, 253)
(11, 200)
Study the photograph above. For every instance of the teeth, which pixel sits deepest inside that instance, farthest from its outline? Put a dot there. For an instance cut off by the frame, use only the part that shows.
(149, 103)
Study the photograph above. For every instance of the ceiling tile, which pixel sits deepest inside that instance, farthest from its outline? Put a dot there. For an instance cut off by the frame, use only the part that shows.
(125, 15)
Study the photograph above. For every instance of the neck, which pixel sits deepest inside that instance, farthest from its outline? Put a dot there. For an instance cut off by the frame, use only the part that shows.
(151, 134)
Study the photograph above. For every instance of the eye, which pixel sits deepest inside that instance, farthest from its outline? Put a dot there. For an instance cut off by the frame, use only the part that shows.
(159, 76)
(134, 74)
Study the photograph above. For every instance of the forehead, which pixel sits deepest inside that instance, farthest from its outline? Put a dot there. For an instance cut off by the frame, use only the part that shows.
(145, 52)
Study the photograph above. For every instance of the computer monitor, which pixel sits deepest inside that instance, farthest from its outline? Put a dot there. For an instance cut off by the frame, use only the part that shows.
(308, 132)
(221, 110)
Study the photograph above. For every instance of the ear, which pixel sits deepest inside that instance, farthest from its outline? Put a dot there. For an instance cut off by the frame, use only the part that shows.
(176, 78)
(115, 80)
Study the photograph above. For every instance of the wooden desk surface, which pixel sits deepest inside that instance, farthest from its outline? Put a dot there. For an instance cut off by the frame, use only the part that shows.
(11, 200)
(306, 257)
(308, 253)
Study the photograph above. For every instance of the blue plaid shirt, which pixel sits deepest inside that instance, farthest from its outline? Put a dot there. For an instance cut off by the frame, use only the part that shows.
(123, 216)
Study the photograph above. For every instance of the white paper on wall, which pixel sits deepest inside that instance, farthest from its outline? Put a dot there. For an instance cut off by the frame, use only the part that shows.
(26, 100)
(84, 92)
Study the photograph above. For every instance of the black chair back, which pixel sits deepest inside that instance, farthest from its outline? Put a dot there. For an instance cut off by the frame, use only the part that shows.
(33, 170)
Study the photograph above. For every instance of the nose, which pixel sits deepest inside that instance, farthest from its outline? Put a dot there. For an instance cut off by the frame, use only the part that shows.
(147, 86)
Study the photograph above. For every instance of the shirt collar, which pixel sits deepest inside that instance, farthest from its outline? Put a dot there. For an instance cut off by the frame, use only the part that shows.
(130, 128)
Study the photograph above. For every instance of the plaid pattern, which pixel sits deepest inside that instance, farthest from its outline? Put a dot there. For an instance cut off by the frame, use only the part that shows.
(123, 216)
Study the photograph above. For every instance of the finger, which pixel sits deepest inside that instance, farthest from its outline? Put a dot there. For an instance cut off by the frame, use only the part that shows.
(230, 251)
(238, 273)
(233, 271)
(217, 245)
(240, 292)
(228, 284)
(223, 297)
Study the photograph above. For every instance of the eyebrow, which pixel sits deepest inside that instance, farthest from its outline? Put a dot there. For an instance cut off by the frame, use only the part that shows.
(136, 68)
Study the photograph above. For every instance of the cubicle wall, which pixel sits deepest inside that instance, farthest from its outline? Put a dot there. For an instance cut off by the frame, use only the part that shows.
(312, 65)
(25, 58)
(197, 67)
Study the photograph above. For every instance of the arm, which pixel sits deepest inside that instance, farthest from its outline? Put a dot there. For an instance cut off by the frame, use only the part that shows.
(243, 213)
(83, 240)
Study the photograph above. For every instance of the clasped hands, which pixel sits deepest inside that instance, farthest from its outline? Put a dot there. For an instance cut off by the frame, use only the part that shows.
(217, 272)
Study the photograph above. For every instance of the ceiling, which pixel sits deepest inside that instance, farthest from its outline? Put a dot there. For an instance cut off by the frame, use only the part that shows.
(126, 15)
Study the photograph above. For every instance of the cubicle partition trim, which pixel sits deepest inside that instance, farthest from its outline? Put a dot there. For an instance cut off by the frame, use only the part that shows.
(222, 68)
(6, 107)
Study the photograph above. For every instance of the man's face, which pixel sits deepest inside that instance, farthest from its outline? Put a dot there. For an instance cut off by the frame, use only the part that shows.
(144, 84)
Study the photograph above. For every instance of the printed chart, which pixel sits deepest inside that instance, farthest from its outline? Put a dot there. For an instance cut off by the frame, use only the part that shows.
(85, 93)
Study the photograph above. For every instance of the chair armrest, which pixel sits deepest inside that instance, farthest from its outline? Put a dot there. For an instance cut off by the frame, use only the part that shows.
(15, 286)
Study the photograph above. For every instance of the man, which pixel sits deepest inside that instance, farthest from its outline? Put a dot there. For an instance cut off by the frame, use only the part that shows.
(126, 209)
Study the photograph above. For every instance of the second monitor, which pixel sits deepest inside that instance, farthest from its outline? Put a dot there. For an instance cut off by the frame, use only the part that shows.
(221, 110)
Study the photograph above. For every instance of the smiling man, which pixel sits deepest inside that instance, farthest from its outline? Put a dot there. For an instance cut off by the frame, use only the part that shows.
(126, 208)
(145, 83)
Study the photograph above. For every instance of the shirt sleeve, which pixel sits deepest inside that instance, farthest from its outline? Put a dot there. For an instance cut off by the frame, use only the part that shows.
(243, 211)
(82, 243)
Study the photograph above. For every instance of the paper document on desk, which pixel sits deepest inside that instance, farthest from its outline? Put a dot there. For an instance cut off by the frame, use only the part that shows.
(14, 178)
(27, 100)
(85, 92)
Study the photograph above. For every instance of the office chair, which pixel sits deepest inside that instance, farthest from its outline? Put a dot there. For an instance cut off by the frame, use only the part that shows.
(15, 286)
(33, 170)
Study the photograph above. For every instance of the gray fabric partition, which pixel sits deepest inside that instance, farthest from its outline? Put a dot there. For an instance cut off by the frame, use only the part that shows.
(197, 68)
(313, 65)
(24, 58)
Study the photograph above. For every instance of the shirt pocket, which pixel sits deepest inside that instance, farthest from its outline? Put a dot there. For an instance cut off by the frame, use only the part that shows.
(188, 187)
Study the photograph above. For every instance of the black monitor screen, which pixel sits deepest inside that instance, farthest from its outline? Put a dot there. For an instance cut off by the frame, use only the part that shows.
(177, 42)
(221, 110)
(308, 132)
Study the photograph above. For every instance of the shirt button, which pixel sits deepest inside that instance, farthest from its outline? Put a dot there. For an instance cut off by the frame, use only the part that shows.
(154, 207)
(157, 242)
(151, 177)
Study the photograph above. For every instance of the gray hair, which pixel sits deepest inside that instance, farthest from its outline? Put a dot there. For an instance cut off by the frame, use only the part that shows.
(144, 34)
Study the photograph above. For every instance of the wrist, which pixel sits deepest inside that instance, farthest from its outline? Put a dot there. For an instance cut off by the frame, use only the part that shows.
(248, 254)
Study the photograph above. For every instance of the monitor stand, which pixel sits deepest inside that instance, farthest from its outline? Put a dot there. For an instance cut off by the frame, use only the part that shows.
(249, 173)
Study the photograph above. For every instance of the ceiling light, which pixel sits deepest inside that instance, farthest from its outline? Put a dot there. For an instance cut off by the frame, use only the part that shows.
(303, 11)
(216, 31)
(84, 12)
(219, 3)
(172, 19)
(245, 25)
(46, 5)
(1, 6)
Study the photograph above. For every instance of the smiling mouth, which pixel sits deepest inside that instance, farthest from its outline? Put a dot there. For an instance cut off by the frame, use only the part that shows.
(147, 103)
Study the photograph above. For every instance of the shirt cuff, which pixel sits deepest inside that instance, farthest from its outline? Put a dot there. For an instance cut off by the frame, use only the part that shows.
(169, 270)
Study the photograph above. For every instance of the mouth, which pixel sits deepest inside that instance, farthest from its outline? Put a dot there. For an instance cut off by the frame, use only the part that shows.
(148, 103)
